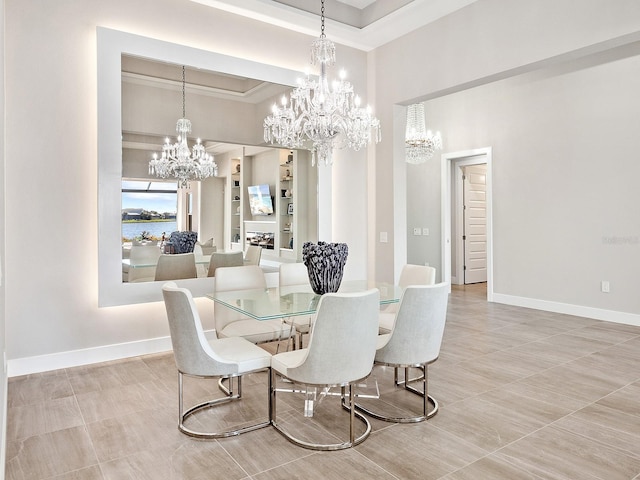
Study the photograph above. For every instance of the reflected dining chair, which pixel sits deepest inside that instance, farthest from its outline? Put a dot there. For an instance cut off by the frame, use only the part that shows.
(225, 358)
(224, 259)
(141, 255)
(199, 255)
(230, 323)
(341, 350)
(176, 266)
(291, 277)
(414, 341)
(410, 275)
(252, 255)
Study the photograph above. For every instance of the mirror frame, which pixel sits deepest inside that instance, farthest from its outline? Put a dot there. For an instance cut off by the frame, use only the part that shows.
(111, 45)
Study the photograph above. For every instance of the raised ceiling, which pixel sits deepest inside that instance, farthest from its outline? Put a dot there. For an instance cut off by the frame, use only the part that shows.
(158, 74)
(362, 24)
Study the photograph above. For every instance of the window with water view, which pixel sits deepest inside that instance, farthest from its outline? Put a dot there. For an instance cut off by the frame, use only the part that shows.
(148, 209)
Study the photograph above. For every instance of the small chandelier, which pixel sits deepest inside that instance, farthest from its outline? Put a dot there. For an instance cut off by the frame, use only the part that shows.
(420, 143)
(320, 118)
(177, 161)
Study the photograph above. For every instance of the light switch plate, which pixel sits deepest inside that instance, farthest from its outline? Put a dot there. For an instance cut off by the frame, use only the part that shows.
(417, 231)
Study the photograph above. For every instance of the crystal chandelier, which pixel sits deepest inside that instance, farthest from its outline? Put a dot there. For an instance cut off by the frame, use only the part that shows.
(320, 118)
(420, 143)
(177, 161)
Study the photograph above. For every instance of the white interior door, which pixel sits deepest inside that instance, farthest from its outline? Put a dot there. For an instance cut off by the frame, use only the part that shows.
(475, 223)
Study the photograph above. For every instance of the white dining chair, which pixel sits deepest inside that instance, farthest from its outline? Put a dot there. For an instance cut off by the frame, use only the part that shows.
(141, 255)
(252, 255)
(341, 350)
(414, 342)
(410, 275)
(230, 323)
(225, 358)
(176, 266)
(291, 277)
(224, 259)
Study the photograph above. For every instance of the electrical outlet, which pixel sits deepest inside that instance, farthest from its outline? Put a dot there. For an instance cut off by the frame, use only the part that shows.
(384, 237)
(425, 232)
(417, 231)
(604, 286)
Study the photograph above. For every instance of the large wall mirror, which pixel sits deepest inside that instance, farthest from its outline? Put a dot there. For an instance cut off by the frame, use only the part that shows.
(139, 101)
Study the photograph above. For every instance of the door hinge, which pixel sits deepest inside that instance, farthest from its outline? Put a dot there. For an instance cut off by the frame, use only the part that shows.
(464, 237)
(464, 268)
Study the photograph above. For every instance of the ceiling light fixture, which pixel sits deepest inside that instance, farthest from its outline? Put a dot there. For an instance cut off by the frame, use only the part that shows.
(420, 143)
(320, 118)
(177, 160)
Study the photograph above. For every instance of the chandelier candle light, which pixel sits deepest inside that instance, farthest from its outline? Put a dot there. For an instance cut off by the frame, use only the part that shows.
(420, 143)
(177, 160)
(320, 118)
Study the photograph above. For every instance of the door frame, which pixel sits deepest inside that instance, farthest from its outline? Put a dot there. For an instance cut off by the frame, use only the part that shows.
(448, 162)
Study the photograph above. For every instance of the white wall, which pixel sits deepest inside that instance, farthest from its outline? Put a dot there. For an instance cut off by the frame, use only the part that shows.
(52, 295)
(564, 164)
(564, 138)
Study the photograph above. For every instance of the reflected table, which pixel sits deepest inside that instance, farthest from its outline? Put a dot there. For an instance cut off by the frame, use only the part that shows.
(291, 301)
(200, 260)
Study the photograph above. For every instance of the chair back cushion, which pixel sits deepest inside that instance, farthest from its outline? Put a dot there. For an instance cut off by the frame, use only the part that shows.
(176, 266)
(143, 255)
(419, 326)
(413, 275)
(293, 274)
(252, 255)
(224, 259)
(191, 350)
(246, 277)
(343, 341)
(417, 275)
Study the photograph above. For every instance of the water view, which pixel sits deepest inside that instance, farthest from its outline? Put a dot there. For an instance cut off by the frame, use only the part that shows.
(131, 230)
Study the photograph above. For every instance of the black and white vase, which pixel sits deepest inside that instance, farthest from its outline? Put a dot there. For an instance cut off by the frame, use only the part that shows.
(325, 265)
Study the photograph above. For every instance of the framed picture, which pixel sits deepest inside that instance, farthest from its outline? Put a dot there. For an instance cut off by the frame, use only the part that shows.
(290, 209)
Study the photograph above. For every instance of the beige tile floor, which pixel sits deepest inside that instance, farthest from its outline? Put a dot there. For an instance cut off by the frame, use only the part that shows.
(523, 394)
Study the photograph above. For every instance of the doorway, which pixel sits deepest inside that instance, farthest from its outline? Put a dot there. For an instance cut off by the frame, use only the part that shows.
(470, 256)
(466, 218)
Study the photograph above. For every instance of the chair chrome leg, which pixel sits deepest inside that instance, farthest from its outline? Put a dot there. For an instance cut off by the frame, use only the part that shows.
(424, 394)
(353, 414)
(183, 415)
(272, 396)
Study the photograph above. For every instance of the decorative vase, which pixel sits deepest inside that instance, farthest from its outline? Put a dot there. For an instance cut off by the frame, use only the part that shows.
(325, 265)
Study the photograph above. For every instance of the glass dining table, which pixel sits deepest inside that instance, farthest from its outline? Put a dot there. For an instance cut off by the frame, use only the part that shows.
(281, 303)
(273, 303)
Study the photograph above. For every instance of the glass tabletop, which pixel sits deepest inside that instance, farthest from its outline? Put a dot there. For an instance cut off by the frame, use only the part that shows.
(291, 301)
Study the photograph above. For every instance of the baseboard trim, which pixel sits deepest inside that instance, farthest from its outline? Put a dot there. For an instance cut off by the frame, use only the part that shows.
(568, 309)
(87, 356)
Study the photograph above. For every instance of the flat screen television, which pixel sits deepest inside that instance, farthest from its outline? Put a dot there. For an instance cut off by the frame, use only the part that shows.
(260, 201)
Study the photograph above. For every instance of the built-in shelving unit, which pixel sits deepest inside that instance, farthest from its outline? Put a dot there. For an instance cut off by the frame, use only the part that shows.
(236, 204)
(289, 176)
(286, 204)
